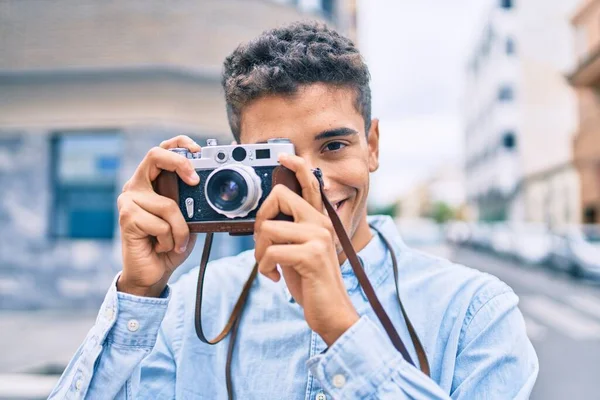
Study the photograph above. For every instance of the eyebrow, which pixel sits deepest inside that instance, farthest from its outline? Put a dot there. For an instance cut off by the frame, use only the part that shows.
(337, 132)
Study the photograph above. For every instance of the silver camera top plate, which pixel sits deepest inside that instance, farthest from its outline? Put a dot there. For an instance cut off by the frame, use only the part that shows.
(253, 155)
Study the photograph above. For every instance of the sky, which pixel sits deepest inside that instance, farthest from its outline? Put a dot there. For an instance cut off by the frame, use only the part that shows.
(416, 52)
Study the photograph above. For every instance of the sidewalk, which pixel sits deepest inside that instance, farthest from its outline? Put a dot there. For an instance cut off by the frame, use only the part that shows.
(36, 340)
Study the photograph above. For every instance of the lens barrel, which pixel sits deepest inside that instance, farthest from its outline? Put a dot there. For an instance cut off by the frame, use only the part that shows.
(233, 190)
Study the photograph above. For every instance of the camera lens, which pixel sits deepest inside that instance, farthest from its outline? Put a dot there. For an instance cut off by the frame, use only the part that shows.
(233, 190)
(239, 154)
(227, 190)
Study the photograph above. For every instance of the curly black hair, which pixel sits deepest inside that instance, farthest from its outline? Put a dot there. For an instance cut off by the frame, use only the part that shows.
(281, 60)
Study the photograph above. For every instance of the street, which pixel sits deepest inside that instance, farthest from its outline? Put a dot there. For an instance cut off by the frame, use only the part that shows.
(563, 322)
(562, 317)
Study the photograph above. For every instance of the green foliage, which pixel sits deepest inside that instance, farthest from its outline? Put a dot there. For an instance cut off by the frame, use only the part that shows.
(391, 209)
(441, 212)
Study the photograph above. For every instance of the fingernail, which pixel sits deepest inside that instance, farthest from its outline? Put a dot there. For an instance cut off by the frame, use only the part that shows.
(182, 249)
(194, 177)
(283, 156)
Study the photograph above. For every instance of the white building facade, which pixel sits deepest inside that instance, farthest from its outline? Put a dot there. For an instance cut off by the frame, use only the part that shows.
(520, 115)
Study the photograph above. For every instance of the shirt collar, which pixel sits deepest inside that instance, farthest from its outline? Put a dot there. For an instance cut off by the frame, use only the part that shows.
(374, 256)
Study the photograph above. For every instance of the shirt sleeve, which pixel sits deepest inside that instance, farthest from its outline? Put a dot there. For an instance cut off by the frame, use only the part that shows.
(108, 363)
(363, 364)
(495, 359)
(495, 356)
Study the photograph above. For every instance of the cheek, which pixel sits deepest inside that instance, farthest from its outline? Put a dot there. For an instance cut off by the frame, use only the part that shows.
(352, 172)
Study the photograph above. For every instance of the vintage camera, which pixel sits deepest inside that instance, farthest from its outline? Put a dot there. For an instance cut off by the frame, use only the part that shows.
(234, 182)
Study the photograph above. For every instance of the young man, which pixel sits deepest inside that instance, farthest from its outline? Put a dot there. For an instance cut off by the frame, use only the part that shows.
(312, 334)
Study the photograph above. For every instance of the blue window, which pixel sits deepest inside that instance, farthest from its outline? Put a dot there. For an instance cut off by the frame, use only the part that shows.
(509, 140)
(328, 7)
(510, 46)
(84, 178)
(506, 93)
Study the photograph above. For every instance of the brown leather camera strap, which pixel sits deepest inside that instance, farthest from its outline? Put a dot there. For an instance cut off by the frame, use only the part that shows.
(368, 288)
(234, 319)
(423, 362)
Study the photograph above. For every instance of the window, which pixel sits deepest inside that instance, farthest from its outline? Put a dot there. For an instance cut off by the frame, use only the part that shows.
(328, 8)
(506, 93)
(510, 46)
(590, 215)
(506, 4)
(84, 172)
(509, 140)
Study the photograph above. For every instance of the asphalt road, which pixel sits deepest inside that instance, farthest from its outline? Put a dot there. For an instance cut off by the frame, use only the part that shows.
(562, 315)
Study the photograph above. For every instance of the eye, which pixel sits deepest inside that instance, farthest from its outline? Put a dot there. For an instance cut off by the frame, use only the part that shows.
(334, 146)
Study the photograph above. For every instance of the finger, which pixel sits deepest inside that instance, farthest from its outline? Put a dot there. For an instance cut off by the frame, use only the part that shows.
(311, 191)
(159, 159)
(169, 211)
(283, 200)
(181, 141)
(156, 227)
(283, 232)
(133, 217)
(286, 255)
(125, 186)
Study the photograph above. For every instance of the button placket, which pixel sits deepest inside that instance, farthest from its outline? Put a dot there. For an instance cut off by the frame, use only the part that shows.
(109, 313)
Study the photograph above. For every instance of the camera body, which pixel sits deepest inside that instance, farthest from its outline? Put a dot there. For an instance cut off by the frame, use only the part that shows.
(234, 182)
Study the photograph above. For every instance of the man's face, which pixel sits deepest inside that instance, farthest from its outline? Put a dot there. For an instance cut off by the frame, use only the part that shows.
(328, 132)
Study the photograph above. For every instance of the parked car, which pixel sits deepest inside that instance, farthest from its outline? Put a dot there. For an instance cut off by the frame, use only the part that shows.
(420, 231)
(481, 236)
(458, 232)
(576, 250)
(531, 243)
(501, 239)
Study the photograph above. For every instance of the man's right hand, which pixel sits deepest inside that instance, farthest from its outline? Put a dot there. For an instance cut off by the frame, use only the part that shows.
(155, 238)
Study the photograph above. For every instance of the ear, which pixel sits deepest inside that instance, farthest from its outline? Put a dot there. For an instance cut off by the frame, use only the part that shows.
(373, 145)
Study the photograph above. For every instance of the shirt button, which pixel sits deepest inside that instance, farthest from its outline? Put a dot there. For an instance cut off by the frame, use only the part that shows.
(133, 325)
(78, 384)
(339, 380)
(320, 396)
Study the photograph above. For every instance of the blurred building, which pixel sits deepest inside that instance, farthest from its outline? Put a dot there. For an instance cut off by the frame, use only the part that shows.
(86, 89)
(445, 187)
(521, 114)
(586, 79)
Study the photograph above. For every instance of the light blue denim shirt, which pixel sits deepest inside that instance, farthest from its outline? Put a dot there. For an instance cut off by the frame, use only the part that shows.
(468, 321)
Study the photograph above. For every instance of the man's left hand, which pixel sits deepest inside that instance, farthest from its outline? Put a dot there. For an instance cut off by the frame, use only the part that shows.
(305, 250)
